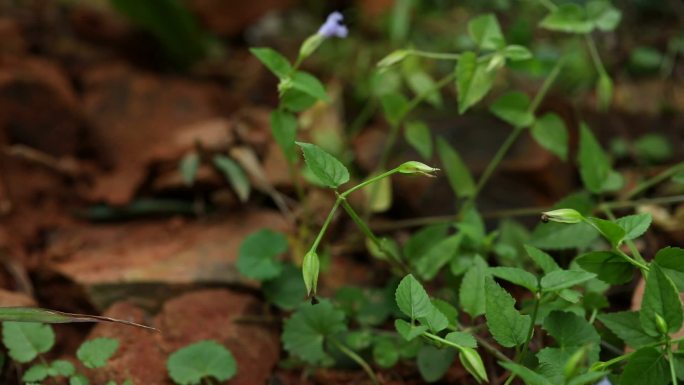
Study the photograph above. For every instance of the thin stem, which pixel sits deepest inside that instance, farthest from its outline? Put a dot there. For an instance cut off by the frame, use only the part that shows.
(358, 359)
(530, 331)
(325, 225)
(628, 242)
(596, 58)
(367, 182)
(435, 55)
(670, 358)
(647, 184)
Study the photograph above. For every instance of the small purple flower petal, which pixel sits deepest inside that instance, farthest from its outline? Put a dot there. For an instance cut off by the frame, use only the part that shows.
(333, 26)
(604, 381)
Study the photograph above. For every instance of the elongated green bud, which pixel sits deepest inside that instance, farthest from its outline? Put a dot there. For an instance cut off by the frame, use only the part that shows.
(574, 362)
(310, 267)
(413, 167)
(393, 58)
(562, 216)
(661, 324)
(472, 362)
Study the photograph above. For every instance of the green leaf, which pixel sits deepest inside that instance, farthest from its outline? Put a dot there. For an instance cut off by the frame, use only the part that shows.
(569, 329)
(473, 81)
(95, 353)
(309, 84)
(25, 340)
(79, 379)
(305, 332)
(661, 298)
(569, 18)
(330, 171)
(517, 276)
(428, 265)
(610, 267)
(296, 101)
(462, 339)
(422, 84)
(653, 148)
(433, 363)
(61, 368)
(517, 53)
(555, 236)
(36, 372)
(595, 168)
(647, 366)
(486, 32)
(610, 230)
(563, 279)
(513, 108)
(33, 314)
(412, 299)
(604, 91)
(550, 132)
(627, 327)
(417, 134)
(408, 331)
(603, 15)
(286, 290)
(204, 359)
(671, 260)
(472, 292)
(457, 173)
(258, 252)
(529, 376)
(449, 311)
(235, 175)
(385, 353)
(284, 130)
(505, 323)
(310, 269)
(436, 321)
(541, 259)
(394, 106)
(274, 61)
(424, 239)
(634, 225)
(188, 167)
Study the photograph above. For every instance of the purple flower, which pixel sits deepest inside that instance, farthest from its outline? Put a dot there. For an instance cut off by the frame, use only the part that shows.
(604, 381)
(333, 26)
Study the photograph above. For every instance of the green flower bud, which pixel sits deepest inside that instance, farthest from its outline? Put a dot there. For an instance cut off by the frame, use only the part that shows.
(472, 362)
(413, 167)
(393, 58)
(661, 324)
(574, 362)
(310, 267)
(562, 216)
(310, 45)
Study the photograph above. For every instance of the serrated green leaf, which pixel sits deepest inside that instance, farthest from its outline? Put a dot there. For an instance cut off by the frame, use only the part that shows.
(472, 292)
(486, 32)
(627, 327)
(505, 323)
(37, 372)
(433, 363)
(26, 340)
(296, 101)
(556, 236)
(569, 18)
(188, 167)
(408, 331)
(305, 332)
(95, 353)
(671, 260)
(309, 84)
(429, 264)
(513, 108)
(603, 15)
(634, 225)
(609, 230)
(204, 359)
(541, 259)
(647, 366)
(274, 61)
(330, 171)
(462, 339)
(385, 353)
(473, 81)
(609, 266)
(529, 376)
(287, 290)
(661, 298)
(594, 165)
(436, 321)
(459, 176)
(284, 131)
(79, 379)
(417, 134)
(517, 276)
(449, 311)
(550, 132)
(61, 368)
(563, 279)
(412, 299)
(394, 106)
(235, 175)
(258, 252)
(569, 329)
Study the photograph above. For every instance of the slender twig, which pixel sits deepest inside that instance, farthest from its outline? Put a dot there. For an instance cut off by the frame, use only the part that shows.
(660, 177)
(596, 58)
(356, 358)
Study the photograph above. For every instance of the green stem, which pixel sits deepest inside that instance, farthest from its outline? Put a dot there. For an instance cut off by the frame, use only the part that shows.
(368, 181)
(670, 358)
(358, 359)
(647, 184)
(435, 55)
(325, 225)
(596, 58)
(530, 332)
(628, 242)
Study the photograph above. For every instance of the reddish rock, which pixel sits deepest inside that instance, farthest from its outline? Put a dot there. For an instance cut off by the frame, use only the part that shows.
(11, 298)
(140, 119)
(196, 316)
